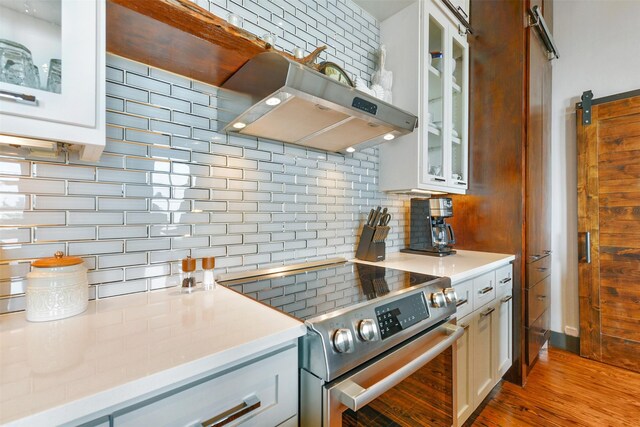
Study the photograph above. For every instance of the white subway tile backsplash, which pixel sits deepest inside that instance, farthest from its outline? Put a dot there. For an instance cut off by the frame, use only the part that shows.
(148, 218)
(121, 204)
(13, 202)
(19, 218)
(91, 188)
(170, 185)
(14, 167)
(122, 288)
(96, 248)
(14, 270)
(109, 261)
(127, 232)
(97, 218)
(105, 276)
(30, 251)
(15, 235)
(31, 186)
(63, 203)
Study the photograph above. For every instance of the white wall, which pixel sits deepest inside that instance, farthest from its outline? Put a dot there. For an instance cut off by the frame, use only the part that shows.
(599, 46)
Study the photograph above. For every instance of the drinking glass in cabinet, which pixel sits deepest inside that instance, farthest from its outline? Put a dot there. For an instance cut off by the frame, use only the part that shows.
(31, 44)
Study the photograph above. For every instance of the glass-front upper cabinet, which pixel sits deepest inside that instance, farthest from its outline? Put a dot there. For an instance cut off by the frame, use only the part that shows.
(431, 79)
(459, 110)
(52, 69)
(435, 109)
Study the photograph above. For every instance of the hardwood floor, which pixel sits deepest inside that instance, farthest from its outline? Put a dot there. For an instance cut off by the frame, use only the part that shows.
(564, 389)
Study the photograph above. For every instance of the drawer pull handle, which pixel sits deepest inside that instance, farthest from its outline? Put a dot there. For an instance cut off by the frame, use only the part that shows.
(438, 179)
(541, 297)
(465, 327)
(21, 98)
(542, 269)
(535, 257)
(505, 280)
(249, 404)
(506, 299)
(488, 312)
(462, 302)
(485, 290)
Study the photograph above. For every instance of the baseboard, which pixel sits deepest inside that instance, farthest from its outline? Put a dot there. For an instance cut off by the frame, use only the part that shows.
(565, 342)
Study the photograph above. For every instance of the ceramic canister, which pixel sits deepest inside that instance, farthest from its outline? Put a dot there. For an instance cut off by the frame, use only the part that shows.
(57, 288)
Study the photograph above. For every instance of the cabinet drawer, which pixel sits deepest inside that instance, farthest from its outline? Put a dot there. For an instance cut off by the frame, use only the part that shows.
(537, 299)
(273, 382)
(537, 334)
(538, 270)
(504, 280)
(484, 289)
(464, 291)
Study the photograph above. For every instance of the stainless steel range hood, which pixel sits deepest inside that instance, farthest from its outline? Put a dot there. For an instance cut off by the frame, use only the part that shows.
(275, 98)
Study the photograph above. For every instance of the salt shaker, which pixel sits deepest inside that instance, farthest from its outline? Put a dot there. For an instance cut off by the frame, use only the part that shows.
(188, 276)
(208, 264)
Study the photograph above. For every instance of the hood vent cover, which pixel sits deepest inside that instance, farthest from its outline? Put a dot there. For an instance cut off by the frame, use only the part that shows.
(275, 98)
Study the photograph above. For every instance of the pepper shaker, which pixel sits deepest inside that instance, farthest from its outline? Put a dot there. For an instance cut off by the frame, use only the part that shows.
(188, 276)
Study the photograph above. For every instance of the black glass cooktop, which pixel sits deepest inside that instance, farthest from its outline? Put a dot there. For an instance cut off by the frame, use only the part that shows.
(308, 293)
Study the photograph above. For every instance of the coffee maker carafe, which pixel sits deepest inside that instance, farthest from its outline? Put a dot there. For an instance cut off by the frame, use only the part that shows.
(430, 234)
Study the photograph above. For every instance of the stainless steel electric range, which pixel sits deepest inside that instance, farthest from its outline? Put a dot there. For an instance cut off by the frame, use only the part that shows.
(379, 348)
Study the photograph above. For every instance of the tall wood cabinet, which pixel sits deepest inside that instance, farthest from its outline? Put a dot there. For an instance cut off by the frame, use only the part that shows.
(507, 206)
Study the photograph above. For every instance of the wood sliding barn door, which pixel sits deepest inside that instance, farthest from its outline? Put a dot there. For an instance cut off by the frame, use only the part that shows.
(609, 210)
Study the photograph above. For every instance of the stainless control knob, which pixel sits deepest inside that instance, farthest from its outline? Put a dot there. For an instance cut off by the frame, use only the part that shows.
(343, 340)
(438, 300)
(367, 330)
(450, 295)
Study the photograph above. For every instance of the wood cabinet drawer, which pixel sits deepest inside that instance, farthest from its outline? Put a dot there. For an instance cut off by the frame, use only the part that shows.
(538, 299)
(267, 391)
(504, 280)
(464, 291)
(537, 334)
(484, 289)
(538, 270)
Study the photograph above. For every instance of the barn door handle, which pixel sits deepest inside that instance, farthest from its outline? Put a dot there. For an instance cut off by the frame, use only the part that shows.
(584, 252)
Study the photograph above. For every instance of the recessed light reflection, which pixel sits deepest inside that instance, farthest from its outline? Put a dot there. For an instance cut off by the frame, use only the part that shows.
(239, 125)
(350, 149)
(389, 136)
(272, 101)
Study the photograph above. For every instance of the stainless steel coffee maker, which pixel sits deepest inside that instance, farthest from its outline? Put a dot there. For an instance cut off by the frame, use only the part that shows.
(430, 234)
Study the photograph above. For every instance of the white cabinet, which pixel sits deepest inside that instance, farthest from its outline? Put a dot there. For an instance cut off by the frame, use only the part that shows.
(430, 62)
(52, 73)
(260, 393)
(484, 352)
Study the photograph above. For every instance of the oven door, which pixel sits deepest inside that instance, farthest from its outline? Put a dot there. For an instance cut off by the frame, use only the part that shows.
(410, 386)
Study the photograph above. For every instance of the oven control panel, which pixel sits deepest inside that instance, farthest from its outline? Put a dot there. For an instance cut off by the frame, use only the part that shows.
(401, 314)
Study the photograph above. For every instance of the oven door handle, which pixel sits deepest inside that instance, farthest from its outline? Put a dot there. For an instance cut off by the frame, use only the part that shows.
(355, 397)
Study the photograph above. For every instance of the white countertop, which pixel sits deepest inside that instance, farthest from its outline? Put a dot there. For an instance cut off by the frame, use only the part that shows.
(124, 347)
(459, 267)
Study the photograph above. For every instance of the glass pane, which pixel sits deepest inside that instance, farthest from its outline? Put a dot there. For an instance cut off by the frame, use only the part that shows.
(423, 399)
(31, 44)
(458, 145)
(435, 94)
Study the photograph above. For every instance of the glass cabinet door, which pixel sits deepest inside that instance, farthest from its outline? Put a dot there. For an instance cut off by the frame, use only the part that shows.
(433, 132)
(458, 61)
(48, 61)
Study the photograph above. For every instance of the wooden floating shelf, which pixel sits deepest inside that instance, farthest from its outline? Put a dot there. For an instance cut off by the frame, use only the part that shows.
(180, 37)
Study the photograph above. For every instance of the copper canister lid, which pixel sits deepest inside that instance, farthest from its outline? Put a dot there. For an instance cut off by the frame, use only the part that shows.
(58, 260)
(188, 264)
(208, 263)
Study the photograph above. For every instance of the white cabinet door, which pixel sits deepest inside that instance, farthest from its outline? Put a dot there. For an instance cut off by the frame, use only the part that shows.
(483, 336)
(503, 334)
(464, 369)
(52, 72)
